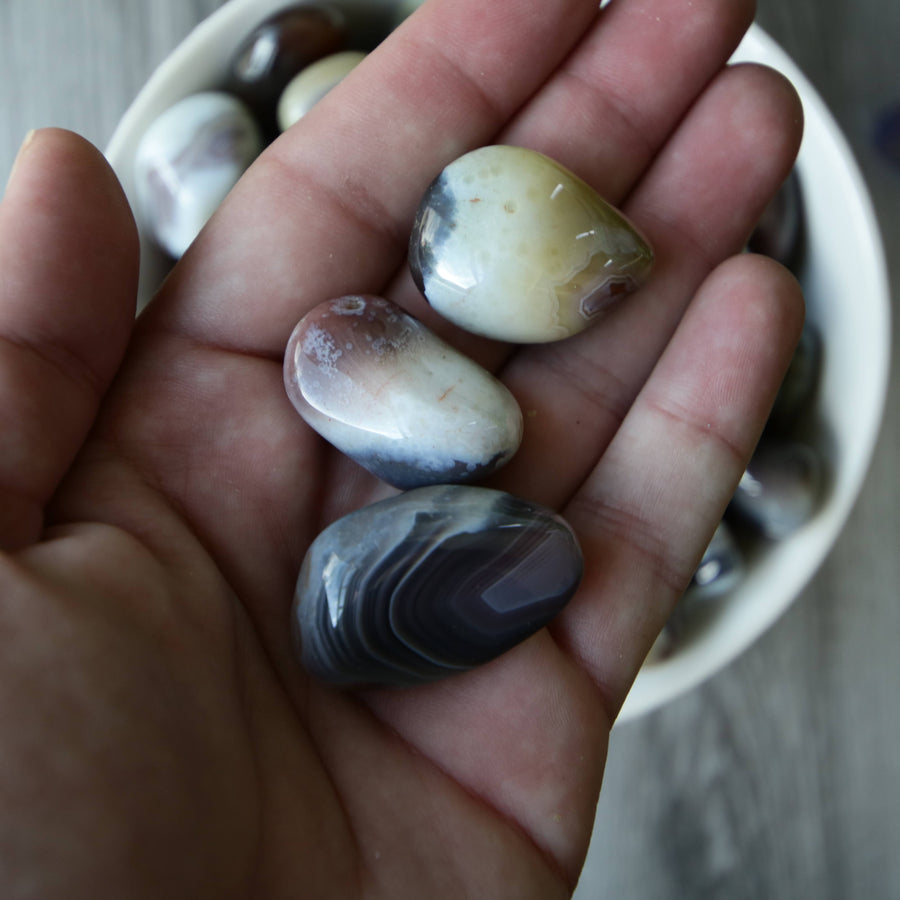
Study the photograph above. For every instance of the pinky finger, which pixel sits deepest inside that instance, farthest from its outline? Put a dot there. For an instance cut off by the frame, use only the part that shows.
(649, 508)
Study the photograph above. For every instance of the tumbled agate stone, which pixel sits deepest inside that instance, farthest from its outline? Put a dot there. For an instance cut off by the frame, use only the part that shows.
(781, 488)
(388, 392)
(277, 49)
(779, 232)
(798, 389)
(510, 245)
(309, 86)
(721, 567)
(428, 583)
(720, 571)
(188, 160)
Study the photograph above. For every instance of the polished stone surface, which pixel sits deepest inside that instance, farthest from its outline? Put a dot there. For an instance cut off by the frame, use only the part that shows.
(797, 394)
(310, 85)
(721, 567)
(429, 583)
(280, 47)
(187, 162)
(720, 571)
(779, 232)
(781, 488)
(388, 392)
(510, 245)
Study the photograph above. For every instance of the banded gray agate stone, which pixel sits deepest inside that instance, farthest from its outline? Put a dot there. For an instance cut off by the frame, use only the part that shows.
(389, 393)
(779, 231)
(188, 160)
(510, 245)
(428, 583)
(720, 571)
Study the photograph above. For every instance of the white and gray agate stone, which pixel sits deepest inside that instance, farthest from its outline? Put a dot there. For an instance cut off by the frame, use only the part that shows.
(311, 84)
(389, 393)
(510, 245)
(428, 583)
(277, 49)
(188, 160)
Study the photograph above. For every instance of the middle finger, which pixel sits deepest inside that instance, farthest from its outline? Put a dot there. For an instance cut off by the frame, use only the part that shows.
(697, 204)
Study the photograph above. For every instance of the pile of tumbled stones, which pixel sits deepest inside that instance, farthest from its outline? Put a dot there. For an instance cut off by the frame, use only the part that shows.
(446, 575)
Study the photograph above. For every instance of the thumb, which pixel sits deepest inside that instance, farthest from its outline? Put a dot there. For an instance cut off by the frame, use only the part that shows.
(68, 281)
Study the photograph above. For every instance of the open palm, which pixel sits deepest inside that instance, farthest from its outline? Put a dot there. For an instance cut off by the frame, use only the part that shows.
(159, 739)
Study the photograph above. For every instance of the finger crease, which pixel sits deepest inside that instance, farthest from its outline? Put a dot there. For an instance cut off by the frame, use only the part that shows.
(612, 525)
(67, 364)
(351, 198)
(625, 119)
(702, 430)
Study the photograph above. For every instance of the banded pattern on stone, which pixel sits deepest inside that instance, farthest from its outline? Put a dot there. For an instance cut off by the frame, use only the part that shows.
(430, 582)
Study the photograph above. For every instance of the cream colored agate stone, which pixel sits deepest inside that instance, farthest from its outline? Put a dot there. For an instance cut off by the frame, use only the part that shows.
(389, 393)
(312, 83)
(510, 245)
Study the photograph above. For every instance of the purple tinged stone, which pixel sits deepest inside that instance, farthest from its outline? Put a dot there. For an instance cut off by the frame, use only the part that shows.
(389, 393)
(428, 583)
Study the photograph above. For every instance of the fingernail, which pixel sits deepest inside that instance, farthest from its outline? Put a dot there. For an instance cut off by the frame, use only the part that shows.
(28, 139)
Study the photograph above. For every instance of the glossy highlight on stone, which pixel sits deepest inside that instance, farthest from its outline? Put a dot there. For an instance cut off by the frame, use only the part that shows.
(510, 245)
(188, 160)
(310, 85)
(781, 489)
(720, 572)
(278, 48)
(428, 583)
(721, 567)
(388, 392)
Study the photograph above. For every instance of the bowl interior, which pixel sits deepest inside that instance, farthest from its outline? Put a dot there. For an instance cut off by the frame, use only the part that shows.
(843, 274)
(844, 278)
(199, 63)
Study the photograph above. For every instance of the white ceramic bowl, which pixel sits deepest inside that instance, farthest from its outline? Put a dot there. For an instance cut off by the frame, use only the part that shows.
(844, 277)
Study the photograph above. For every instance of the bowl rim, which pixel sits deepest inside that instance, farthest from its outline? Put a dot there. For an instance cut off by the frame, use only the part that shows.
(660, 683)
(664, 681)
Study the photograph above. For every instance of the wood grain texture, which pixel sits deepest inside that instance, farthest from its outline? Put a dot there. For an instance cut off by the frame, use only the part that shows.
(780, 777)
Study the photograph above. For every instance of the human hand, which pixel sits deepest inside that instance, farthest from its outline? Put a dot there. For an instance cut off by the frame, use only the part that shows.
(160, 739)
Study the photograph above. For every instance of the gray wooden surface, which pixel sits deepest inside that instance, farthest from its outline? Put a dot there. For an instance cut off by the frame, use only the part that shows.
(780, 777)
